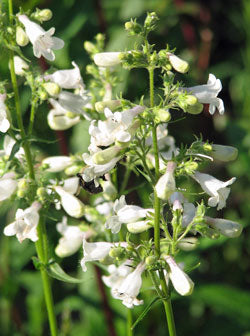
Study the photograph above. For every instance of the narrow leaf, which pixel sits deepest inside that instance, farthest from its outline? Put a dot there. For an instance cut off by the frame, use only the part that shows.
(14, 150)
(55, 271)
(145, 311)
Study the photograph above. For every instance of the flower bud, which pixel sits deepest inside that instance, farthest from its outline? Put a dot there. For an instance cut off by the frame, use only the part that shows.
(224, 153)
(21, 37)
(138, 227)
(207, 147)
(43, 94)
(57, 163)
(194, 109)
(104, 156)
(133, 27)
(117, 252)
(90, 47)
(53, 89)
(20, 66)
(73, 170)
(190, 167)
(162, 115)
(150, 20)
(42, 194)
(191, 100)
(72, 205)
(111, 104)
(177, 63)
(166, 183)
(225, 227)
(180, 280)
(107, 59)
(43, 15)
(150, 260)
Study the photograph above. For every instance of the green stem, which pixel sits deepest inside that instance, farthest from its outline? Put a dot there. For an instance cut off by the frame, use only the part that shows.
(41, 244)
(32, 115)
(157, 211)
(129, 322)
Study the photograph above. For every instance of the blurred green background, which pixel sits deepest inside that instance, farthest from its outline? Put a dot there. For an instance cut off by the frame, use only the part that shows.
(214, 36)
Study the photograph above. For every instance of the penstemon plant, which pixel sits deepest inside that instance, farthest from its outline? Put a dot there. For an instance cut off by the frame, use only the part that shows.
(129, 241)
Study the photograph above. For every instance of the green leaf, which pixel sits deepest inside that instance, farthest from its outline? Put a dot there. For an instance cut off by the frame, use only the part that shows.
(14, 150)
(145, 311)
(55, 271)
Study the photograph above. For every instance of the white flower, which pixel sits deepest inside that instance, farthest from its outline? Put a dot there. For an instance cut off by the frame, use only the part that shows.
(8, 144)
(25, 224)
(115, 128)
(71, 185)
(224, 226)
(42, 41)
(57, 163)
(71, 204)
(129, 288)
(180, 280)
(165, 186)
(107, 59)
(20, 66)
(125, 214)
(177, 63)
(8, 185)
(215, 188)
(96, 251)
(67, 79)
(178, 201)
(117, 275)
(58, 119)
(4, 122)
(224, 153)
(71, 240)
(74, 103)
(207, 94)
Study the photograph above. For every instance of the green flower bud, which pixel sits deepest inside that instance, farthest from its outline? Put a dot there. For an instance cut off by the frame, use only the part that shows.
(150, 260)
(117, 252)
(42, 14)
(106, 155)
(53, 89)
(162, 115)
(70, 114)
(43, 95)
(195, 109)
(21, 37)
(111, 104)
(150, 20)
(133, 27)
(23, 184)
(73, 170)
(90, 47)
(177, 63)
(42, 194)
(191, 100)
(190, 167)
(21, 193)
(207, 147)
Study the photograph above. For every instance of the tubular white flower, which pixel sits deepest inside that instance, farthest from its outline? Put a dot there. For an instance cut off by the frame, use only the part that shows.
(71, 185)
(42, 41)
(71, 240)
(180, 280)
(215, 188)
(74, 103)
(115, 128)
(96, 251)
(58, 119)
(226, 227)
(138, 227)
(67, 79)
(166, 183)
(129, 288)
(57, 163)
(125, 214)
(106, 155)
(224, 153)
(25, 224)
(117, 275)
(20, 66)
(71, 204)
(8, 185)
(207, 94)
(4, 122)
(107, 59)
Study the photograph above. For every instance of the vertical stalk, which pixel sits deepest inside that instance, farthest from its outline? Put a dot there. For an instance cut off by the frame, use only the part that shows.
(157, 208)
(41, 244)
(129, 322)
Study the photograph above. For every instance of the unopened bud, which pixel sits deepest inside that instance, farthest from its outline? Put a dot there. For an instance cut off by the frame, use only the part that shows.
(191, 100)
(106, 155)
(166, 183)
(194, 109)
(43, 95)
(138, 227)
(117, 252)
(177, 63)
(70, 114)
(43, 15)
(53, 89)
(207, 147)
(73, 170)
(20, 66)
(162, 115)
(42, 193)
(133, 27)
(111, 104)
(150, 260)
(21, 37)
(90, 47)
(107, 59)
(151, 19)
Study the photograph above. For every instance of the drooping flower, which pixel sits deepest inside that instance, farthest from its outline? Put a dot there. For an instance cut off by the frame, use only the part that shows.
(218, 190)
(180, 280)
(24, 227)
(4, 122)
(8, 185)
(71, 204)
(226, 227)
(42, 41)
(20, 66)
(96, 251)
(71, 240)
(58, 118)
(67, 79)
(129, 288)
(125, 214)
(165, 186)
(57, 163)
(207, 94)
